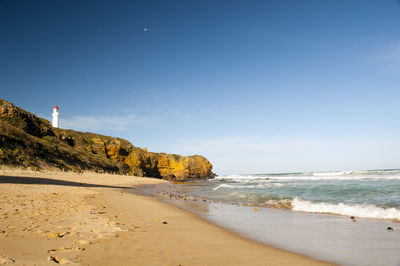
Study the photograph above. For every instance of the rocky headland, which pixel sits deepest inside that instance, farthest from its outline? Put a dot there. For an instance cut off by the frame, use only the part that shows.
(30, 141)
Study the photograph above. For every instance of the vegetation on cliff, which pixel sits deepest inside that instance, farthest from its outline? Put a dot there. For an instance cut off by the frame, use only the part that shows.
(30, 141)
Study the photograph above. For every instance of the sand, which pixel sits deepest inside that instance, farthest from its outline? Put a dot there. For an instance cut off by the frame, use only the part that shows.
(90, 219)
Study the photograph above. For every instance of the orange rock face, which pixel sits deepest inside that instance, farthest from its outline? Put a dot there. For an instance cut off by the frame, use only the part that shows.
(169, 166)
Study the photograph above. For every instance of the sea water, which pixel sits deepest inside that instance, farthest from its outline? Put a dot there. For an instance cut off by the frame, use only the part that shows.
(367, 194)
(308, 213)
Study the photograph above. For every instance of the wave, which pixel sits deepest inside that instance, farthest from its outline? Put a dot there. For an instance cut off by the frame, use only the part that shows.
(365, 211)
(338, 175)
(268, 185)
(392, 172)
(331, 173)
(225, 186)
(240, 177)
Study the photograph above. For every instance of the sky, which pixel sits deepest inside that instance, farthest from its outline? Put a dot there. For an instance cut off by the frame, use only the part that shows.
(255, 86)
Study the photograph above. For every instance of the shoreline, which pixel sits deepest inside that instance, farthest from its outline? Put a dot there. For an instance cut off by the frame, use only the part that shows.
(166, 194)
(326, 237)
(91, 219)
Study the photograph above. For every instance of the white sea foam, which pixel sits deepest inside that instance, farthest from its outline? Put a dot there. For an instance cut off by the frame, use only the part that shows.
(262, 185)
(366, 211)
(240, 177)
(330, 173)
(225, 186)
(339, 175)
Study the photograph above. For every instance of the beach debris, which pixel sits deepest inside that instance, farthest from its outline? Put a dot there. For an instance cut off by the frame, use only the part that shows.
(215, 207)
(58, 260)
(64, 249)
(5, 260)
(391, 228)
(256, 210)
(352, 217)
(56, 234)
(165, 222)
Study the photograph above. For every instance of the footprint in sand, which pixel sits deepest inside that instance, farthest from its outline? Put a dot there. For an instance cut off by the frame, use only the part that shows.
(6, 260)
(83, 242)
(58, 260)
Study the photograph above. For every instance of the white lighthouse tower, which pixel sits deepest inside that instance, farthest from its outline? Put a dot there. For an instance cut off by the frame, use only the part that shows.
(55, 114)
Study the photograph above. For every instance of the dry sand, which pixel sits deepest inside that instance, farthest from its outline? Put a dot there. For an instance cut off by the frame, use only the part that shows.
(90, 220)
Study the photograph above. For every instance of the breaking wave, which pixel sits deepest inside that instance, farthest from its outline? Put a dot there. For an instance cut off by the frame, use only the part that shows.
(267, 185)
(367, 194)
(338, 175)
(365, 211)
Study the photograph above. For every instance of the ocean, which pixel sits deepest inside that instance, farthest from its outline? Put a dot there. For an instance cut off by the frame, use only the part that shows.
(341, 216)
(368, 194)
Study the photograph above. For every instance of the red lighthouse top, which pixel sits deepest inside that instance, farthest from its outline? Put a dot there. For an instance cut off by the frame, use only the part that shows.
(56, 107)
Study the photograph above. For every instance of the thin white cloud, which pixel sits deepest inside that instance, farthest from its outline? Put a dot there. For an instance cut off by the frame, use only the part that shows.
(257, 154)
(391, 53)
(80, 122)
(155, 95)
(257, 144)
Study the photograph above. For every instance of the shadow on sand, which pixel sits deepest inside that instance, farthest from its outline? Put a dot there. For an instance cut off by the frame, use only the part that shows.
(48, 181)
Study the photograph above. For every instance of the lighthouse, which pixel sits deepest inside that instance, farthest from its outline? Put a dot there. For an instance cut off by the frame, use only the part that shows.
(55, 114)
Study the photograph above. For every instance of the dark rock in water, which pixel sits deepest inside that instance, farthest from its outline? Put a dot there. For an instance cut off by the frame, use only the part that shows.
(30, 141)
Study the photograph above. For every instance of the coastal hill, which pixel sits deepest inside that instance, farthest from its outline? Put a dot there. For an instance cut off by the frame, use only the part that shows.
(30, 141)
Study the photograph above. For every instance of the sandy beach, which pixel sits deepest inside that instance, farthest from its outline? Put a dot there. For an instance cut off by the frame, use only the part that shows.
(90, 219)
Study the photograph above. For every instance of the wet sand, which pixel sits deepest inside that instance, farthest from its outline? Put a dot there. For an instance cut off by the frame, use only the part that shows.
(327, 237)
(92, 219)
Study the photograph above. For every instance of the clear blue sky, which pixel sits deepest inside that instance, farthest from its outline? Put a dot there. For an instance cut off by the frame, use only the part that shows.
(255, 86)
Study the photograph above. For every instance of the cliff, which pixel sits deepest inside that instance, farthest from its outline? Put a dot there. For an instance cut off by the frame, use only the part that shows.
(31, 141)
